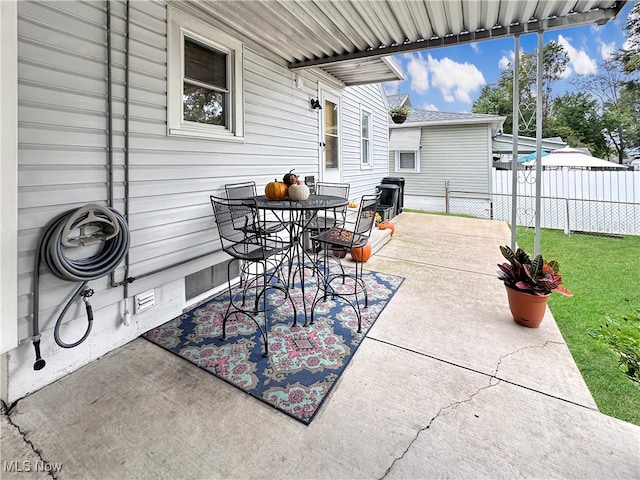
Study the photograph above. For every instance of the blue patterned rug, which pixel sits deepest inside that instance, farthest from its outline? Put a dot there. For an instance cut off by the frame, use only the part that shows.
(304, 363)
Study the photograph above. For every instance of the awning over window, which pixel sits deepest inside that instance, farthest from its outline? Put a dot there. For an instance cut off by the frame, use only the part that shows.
(405, 139)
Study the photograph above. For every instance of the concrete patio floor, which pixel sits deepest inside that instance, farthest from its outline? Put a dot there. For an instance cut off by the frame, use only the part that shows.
(445, 385)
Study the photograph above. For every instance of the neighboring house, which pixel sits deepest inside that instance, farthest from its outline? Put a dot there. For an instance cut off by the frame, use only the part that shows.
(99, 119)
(399, 101)
(503, 148)
(503, 144)
(432, 149)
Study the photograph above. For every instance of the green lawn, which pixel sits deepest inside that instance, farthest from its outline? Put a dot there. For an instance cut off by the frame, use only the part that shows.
(604, 275)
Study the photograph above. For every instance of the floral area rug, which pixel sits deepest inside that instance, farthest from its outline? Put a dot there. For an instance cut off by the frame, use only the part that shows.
(304, 363)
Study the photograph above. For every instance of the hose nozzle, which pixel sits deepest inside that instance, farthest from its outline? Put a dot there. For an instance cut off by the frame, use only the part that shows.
(39, 363)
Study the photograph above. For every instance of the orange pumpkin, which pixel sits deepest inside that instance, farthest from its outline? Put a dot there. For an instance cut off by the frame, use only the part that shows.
(387, 225)
(361, 254)
(276, 190)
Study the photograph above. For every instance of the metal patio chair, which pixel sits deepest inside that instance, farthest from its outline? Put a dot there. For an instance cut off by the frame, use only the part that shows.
(346, 239)
(237, 221)
(334, 217)
(244, 190)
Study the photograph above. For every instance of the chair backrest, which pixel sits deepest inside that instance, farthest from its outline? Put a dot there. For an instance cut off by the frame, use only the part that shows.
(335, 189)
(310, 181)
(241, 190)
(232, 218)
(367, 214)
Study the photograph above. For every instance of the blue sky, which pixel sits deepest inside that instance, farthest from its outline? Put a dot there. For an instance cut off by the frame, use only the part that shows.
(450, 79)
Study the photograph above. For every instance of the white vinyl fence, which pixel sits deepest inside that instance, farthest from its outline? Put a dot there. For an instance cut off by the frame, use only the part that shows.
(605, 202)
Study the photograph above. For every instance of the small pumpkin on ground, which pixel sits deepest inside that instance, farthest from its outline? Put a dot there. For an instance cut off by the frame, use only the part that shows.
(276, 190)
(387, 226)
(361, 254)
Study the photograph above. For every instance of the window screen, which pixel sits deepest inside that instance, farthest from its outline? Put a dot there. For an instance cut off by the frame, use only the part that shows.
(205, 94)
(407, 160)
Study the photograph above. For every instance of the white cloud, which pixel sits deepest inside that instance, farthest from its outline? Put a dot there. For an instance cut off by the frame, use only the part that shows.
(430, 106)
(455, 80)
(607, 50)
(567, 72)
(475, 47)
(579, 60)
(508, 59)
(418, 73)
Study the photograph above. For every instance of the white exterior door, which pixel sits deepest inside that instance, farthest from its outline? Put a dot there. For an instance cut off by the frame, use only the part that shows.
(330, 162)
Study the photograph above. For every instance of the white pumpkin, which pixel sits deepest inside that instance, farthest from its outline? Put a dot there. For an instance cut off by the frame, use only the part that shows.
(298, 192)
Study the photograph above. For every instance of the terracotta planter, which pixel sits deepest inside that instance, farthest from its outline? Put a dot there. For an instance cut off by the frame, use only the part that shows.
(527, 310)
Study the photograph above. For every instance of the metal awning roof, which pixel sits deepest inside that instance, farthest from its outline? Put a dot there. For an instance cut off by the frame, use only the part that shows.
(341, 36)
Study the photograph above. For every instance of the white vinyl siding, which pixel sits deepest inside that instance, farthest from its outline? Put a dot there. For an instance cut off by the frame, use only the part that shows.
(363, 181)
(458, 153)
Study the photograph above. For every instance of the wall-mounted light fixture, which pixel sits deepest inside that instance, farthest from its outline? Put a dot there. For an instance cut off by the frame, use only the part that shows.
(315, 104)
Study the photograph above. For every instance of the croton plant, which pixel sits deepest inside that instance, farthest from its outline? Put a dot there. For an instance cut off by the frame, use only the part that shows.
(530, 275)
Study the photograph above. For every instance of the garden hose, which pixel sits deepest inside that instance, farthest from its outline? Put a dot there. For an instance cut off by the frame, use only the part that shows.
(96, 224)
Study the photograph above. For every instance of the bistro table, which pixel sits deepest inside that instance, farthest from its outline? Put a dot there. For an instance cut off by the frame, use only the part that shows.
(297, 216)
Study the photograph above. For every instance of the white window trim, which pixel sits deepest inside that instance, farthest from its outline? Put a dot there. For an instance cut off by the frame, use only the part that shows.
(326, 92)
(366, 166)
(416, 154)
(179, 25)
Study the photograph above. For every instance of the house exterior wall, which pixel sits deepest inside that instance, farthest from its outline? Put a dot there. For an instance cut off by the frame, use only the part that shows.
(460, 154)
(64, 157)
(373, 99)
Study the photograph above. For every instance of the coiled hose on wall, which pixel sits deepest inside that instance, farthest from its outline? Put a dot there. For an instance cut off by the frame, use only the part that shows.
(97, 224)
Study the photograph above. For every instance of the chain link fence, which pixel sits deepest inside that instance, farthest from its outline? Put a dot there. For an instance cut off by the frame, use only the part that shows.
(603, 217)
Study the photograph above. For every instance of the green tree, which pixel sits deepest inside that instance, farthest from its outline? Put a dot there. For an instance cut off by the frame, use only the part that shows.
(629, 54)
(614, 90)
(498, 99)
(575, 118)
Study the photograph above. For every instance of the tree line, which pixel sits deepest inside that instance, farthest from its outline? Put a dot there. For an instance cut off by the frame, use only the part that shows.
(602, 115)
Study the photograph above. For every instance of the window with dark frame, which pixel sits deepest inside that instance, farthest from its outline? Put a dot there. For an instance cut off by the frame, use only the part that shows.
(205, 88)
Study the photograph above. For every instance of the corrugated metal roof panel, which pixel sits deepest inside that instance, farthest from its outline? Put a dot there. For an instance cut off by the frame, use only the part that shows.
(320, 33)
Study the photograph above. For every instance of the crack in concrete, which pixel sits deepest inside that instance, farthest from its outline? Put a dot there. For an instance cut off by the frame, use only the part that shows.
(6, 411)
(442, 412)
(449, 408)
(495, 372)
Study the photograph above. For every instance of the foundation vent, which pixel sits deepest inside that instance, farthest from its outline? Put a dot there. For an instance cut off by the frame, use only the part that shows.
(145, 300)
